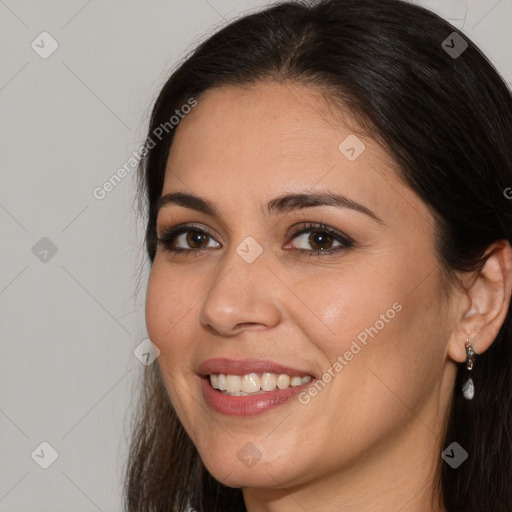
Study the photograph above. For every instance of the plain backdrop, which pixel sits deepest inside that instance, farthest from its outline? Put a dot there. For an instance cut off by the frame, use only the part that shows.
(77, 81)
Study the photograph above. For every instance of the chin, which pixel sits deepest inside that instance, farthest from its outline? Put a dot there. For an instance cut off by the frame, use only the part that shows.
(234, 473)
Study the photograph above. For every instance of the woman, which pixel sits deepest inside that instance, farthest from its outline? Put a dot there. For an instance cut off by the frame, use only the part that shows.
(328, 229)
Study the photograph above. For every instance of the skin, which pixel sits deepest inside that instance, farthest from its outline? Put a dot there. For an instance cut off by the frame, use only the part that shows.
(369, 440)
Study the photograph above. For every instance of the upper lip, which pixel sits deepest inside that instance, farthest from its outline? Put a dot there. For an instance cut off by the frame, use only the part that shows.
(245, 366)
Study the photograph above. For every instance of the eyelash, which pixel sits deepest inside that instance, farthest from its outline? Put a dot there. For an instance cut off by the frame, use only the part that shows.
(168, 237)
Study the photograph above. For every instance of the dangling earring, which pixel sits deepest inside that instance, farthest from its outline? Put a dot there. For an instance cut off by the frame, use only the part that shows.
(468, 389)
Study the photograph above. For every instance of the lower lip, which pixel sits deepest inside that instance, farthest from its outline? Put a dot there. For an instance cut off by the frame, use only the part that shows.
(251, 404)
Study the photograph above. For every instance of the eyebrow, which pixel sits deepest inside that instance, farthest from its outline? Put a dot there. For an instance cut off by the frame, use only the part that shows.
(278, 205)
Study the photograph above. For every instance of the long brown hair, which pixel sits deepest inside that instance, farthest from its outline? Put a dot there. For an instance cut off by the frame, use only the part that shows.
(445, 119)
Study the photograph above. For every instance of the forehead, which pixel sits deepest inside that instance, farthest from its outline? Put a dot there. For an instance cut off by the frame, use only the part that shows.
(245, 144)
(261, 123)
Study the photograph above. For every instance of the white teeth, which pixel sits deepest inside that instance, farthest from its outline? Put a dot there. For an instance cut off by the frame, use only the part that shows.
(252, 383)
(283, 381)
(295, 381)
(221, 382)
(233, 383)
(268, 381)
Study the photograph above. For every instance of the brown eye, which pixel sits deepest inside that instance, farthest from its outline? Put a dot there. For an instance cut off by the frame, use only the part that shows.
(191, 240)
(185, 239)
(195, 239)
(320, 240)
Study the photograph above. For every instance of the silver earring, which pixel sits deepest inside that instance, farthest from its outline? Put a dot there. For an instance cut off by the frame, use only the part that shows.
(468, 389)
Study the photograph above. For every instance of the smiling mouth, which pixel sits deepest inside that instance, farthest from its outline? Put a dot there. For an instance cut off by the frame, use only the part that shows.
(254, 383)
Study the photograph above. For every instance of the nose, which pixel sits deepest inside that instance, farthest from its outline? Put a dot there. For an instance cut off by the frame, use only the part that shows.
(239, 297)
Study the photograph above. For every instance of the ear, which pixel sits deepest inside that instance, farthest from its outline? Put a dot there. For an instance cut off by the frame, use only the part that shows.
(485, 303)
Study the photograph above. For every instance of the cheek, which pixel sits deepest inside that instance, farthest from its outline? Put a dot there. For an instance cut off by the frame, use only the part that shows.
(339, 306)
(169, 317)
(157, 303)
(367, 324)
(168, 307)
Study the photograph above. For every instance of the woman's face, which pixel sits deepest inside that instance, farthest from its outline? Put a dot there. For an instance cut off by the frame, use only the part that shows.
(369, 314)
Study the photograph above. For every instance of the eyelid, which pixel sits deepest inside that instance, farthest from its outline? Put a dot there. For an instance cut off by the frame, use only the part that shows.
(307, 226)
(182, 225)
(171, 234)
(292, 232)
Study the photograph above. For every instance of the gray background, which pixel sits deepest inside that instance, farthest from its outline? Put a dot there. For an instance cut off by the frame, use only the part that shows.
(70, 321)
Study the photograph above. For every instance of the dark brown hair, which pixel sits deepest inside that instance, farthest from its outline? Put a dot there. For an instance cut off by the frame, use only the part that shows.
(446, 120)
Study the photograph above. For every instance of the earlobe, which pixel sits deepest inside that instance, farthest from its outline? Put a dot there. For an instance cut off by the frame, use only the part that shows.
(488, 295)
